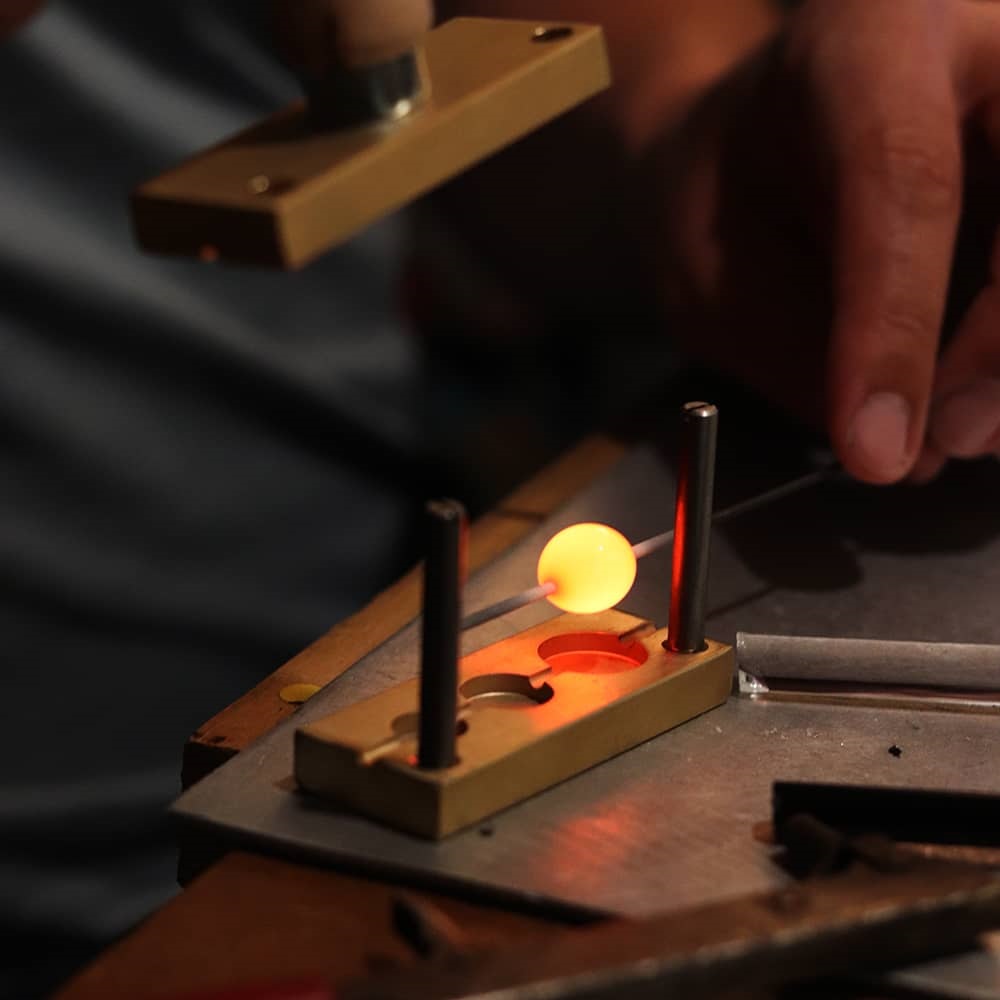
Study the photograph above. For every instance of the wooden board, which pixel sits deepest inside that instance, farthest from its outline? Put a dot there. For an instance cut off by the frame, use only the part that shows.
(280, 193)
(863, 920)
(535, 709)
(260, 709)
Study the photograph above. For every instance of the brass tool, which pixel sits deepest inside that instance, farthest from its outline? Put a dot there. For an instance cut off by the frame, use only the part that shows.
(537, 708)
(290, 188)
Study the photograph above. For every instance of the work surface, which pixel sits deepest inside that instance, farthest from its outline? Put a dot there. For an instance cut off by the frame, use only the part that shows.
(669, 824)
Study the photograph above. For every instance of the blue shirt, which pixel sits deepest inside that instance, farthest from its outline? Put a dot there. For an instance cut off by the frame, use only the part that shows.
(201, 469)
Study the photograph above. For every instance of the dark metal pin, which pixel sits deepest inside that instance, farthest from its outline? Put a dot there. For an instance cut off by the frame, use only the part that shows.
(444, 574)
(692, 527)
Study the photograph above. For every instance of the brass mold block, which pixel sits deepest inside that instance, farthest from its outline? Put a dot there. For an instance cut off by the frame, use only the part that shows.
(534, 710)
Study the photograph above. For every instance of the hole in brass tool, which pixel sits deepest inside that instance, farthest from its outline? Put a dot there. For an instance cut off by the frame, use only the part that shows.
(553, 34)
(405, 725)
(501, 690)
(591, 653)
(404, 729)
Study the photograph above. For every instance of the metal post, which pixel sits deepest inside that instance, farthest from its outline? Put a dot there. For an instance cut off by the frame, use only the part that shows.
(692, 527)
(444, 573)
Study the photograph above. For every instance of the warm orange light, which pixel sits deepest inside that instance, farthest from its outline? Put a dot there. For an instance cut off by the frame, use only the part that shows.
(591, 565)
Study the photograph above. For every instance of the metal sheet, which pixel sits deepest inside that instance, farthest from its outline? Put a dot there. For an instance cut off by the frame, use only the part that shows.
(668, 824)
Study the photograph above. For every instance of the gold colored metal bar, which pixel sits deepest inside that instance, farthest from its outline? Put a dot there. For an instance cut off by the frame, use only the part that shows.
(282, 193)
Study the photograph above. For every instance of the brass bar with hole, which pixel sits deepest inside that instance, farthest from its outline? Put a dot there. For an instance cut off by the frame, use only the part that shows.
(536, 709)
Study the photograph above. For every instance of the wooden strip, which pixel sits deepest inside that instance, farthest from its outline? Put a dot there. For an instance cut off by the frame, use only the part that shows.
(252, 920)
(262, 708)
(281, 193)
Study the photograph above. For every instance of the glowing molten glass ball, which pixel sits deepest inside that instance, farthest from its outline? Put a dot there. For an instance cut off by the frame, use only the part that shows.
(591, 565)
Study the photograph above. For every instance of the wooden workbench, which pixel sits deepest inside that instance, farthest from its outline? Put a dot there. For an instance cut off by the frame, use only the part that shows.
(254, 920)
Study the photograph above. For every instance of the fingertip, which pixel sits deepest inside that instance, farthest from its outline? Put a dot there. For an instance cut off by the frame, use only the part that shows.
(876, 446)
(966, 422)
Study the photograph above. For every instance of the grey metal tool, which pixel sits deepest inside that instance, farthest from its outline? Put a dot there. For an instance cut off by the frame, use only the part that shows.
(765, 660)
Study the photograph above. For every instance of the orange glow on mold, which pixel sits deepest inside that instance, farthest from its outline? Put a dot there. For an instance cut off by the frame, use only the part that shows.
(591, 565)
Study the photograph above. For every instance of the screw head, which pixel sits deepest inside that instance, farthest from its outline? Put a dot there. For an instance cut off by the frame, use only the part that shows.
(553, 33)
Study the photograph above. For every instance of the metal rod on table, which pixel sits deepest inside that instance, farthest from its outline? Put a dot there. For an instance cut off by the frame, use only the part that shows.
(444, 573)
(777, 492)
(888, 662)
(650, 545)
(692, 527)
(507, 605)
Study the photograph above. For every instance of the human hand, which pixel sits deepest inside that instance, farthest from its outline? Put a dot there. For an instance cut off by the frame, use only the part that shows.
(808, 228)
(317, 35)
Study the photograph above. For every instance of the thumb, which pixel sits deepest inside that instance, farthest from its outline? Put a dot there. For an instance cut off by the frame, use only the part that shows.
(892, 133)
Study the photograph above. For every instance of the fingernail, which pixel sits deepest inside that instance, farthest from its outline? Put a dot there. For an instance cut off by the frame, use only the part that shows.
(878, 435)
(965, 421)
